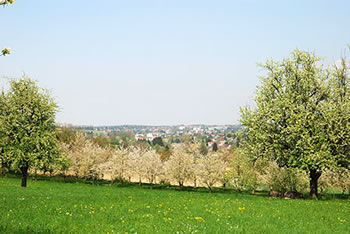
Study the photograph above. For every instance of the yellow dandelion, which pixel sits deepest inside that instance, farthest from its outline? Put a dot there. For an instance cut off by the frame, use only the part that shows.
(200, 219)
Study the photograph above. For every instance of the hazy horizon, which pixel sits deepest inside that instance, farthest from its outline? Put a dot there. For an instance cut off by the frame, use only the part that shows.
(161, 62)
(147, 125)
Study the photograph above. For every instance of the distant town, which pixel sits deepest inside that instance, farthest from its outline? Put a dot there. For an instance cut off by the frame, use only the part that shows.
(223, 135)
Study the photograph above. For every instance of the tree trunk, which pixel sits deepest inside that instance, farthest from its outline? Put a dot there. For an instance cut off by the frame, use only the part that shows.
(35, 175)
(253, 190)
(24, 171)
(314, 175)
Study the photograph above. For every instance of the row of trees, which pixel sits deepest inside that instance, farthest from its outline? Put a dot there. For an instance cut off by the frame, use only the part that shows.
(185, 164)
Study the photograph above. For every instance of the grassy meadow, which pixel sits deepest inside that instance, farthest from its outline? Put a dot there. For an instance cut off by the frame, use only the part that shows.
(48, 206)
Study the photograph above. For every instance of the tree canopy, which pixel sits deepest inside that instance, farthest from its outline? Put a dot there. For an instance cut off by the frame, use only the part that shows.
(6, 2)
(158, 141)
(298, 121)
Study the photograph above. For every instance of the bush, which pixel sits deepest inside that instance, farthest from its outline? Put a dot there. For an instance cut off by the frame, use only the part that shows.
(285, 179)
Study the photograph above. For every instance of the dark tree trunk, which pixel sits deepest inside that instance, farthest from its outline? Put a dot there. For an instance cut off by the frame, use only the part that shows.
(181, 186)
(24, 171)
(314, 176)
(35, 175)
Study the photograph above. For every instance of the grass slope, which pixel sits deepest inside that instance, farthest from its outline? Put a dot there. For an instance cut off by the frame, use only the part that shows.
(54, 207)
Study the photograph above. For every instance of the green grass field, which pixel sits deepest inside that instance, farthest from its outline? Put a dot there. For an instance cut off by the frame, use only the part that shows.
(56, 207)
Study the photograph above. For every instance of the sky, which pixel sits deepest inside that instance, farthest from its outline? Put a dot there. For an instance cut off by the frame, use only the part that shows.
(168, 62)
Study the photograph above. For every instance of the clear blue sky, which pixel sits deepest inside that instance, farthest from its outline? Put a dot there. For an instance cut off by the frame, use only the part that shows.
(161, 62)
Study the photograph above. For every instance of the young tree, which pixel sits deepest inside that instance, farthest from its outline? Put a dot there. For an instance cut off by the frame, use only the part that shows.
(72, 148)
(86, 157)
(243, 173)
(152, 166)
(179, 166)
(289, 124)
(121, 165)
(195, 154)
(27, 126)
(136, 162)
(211, 169)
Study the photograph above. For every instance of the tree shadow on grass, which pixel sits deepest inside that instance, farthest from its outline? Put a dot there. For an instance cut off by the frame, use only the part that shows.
(330, 195)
